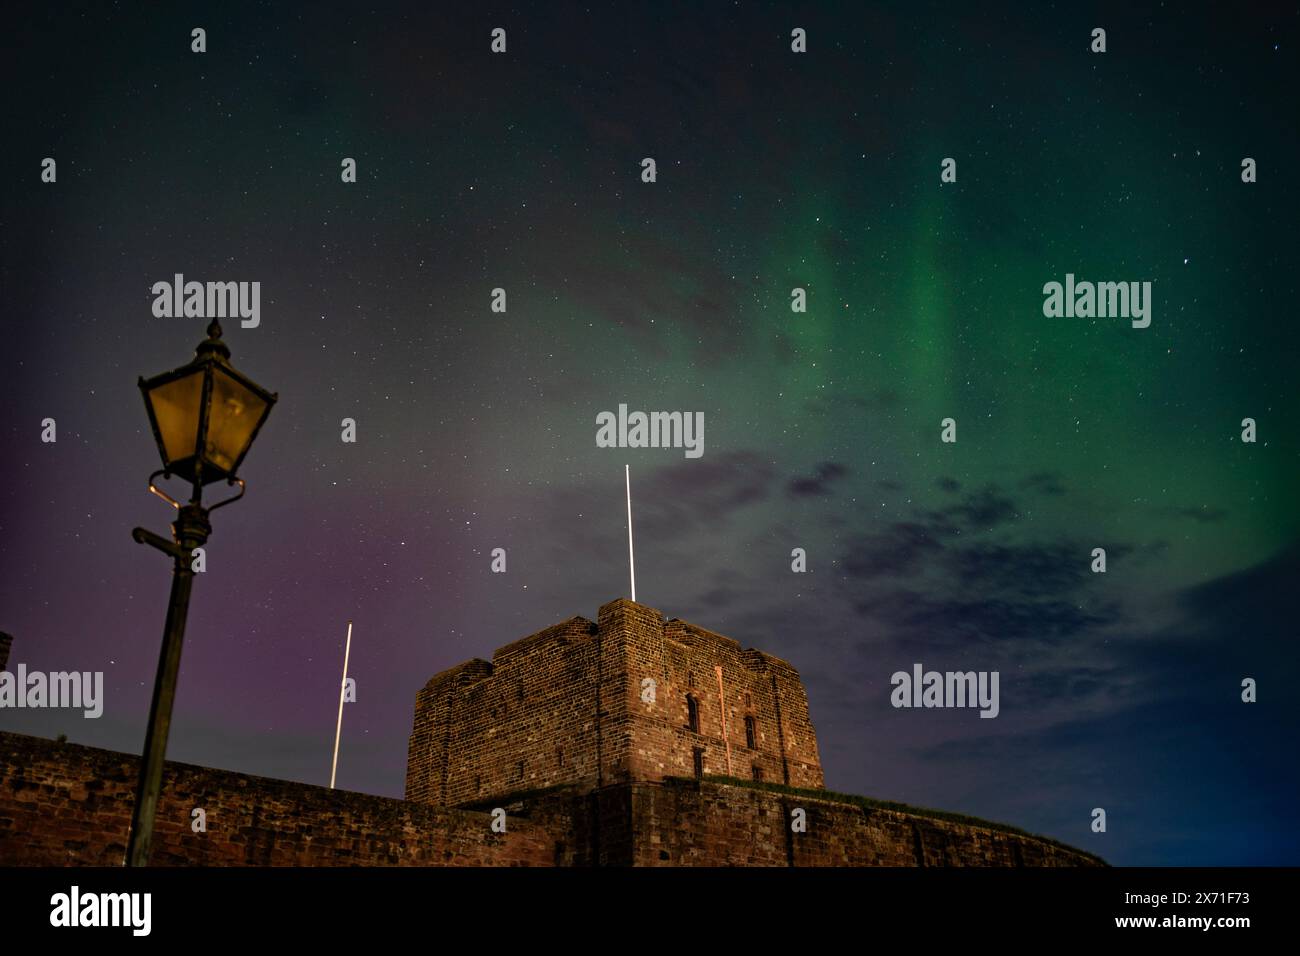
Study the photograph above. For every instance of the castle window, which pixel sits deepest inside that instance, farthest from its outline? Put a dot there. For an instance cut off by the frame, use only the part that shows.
(699, 761)
(692, 713)
(749, 701)
(520, 771)
(758, 773)
(751, 734)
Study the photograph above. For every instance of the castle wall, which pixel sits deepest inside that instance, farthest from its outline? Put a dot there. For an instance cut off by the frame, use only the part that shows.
(703, 823)
(64, 804)
(567, 705)
(683, 659)
(528, 719)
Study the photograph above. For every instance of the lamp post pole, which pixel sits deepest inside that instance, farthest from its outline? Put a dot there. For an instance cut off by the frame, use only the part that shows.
(189, 531)
(204, 417)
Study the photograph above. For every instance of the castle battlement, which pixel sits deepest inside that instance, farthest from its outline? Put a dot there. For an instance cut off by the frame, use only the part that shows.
(560, 728)
(627, 698)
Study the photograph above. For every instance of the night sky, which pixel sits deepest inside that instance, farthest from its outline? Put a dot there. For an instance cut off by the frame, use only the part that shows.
(476, 430)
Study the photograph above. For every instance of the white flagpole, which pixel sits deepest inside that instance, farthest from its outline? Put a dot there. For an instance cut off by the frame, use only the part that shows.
(338, 730)
(631, 561)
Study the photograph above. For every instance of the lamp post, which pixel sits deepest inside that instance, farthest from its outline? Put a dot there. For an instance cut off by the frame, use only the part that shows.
(204, 416)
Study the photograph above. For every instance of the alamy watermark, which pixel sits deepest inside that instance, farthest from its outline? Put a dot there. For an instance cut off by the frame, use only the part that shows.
(75, 908)
(922, 688)
(74, 689)
(651, 430)
(210, 300)
(1101, 300)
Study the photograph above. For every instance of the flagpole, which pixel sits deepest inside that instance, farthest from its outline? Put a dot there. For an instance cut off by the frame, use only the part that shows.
(631, 561)
(338, 730)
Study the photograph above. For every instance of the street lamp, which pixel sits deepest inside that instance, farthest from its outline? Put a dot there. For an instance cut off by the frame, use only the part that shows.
(205, 416)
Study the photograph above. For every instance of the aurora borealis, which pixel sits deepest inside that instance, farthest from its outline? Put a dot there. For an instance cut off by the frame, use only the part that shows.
(476, 430)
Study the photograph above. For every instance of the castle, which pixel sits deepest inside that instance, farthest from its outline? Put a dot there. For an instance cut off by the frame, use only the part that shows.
(627, 698)
(628, 741)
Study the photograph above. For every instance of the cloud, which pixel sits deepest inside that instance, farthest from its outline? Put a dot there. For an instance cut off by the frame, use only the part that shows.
(1254, 600)
(1203, 514)
(819, 482)
(1030, 570)
(897, 551)
(1044, 483)
(710, 491)
(917, 618)
(902, 547)
(979, 511)
(969, 581)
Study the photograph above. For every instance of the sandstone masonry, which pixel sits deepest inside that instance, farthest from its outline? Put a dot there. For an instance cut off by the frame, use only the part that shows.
(571, 705)
(560, 731)
(68, 805)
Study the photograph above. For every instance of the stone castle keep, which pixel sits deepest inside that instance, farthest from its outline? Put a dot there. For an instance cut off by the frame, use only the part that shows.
(627, 698)
(609, 743)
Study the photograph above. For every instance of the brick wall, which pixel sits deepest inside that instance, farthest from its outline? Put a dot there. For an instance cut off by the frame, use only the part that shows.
(528, 719)
(68, 804)
(64, 804)
(683, 659)
(566, 705)
(700, 823)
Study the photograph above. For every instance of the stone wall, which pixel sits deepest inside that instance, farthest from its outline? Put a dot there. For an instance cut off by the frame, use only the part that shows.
(570, 705)
(528, 719)
(756, 689)
(68, 804)
(64, 804)
(702, 823)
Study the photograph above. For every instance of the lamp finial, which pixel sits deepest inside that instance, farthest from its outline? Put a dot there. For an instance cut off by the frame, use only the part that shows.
(213, 345)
